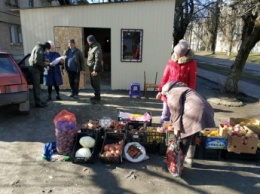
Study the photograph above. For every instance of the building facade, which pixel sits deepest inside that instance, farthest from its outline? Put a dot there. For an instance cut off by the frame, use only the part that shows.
(135, 36)
(11, 39)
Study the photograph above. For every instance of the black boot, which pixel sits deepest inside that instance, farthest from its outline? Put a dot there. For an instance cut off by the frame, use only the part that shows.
(96, 98)
(49, 98)
(58, 97)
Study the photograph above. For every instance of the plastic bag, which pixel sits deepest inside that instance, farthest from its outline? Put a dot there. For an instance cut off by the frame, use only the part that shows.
(138, 156)
(49, 153)
(65, 131)
(174, 158)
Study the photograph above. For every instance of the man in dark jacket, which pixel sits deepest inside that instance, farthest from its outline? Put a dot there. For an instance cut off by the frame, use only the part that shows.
(38, 62)
(94, 63)
(74, 63)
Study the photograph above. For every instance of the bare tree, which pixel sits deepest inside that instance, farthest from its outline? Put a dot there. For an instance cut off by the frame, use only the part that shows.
(230, 25)
(203, 23)
(214, 25)
(250, 14)
(182, 17)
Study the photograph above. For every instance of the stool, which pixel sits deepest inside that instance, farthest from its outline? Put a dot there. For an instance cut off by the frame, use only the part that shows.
(135, 90)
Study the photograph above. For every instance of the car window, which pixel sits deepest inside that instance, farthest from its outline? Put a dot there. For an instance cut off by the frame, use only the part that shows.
(7, 66)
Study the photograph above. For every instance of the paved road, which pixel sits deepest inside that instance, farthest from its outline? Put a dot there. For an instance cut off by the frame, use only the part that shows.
(23, 136)
(248, 87)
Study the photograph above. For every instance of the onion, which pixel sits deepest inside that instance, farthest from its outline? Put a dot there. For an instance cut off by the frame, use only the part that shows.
(106, 147)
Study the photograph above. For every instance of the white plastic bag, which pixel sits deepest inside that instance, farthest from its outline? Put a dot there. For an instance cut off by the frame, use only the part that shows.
(142, 152)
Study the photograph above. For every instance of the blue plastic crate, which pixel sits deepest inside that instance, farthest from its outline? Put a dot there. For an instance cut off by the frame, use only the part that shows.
(216, 143)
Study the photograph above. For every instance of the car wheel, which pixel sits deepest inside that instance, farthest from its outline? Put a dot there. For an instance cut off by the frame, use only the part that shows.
(24, 107)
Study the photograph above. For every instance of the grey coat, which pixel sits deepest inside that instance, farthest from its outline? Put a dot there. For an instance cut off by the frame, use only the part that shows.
(190, 112)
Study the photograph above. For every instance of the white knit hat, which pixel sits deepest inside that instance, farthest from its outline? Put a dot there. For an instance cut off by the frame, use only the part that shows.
(181, 48)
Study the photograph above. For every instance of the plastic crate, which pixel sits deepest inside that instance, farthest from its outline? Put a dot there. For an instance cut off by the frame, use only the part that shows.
(153, 136)
(112, 138)
(77, 146)
(150, 138)
(135, 133)
(117, 127)
(201, 152)
(91, 125)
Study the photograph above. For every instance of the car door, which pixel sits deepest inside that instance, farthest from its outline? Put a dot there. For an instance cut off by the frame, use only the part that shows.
(25, 67)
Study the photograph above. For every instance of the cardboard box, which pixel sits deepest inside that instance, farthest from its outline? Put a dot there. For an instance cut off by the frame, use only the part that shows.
(216, 143)
(234, 121)
(235, 145)
(252, 124)
(224, 131)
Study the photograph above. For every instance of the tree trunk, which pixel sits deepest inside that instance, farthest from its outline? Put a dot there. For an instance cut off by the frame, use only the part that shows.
(230, 48)
(215, 26)
(182, 17)
(231, 85)
(250, 36)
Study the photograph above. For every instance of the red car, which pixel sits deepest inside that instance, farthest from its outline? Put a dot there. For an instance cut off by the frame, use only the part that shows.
(13, 84)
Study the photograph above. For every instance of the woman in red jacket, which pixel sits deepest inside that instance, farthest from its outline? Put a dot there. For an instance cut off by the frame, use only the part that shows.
(181, 67)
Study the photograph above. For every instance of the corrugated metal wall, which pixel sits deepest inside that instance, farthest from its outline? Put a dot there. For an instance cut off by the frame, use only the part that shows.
(154, 17)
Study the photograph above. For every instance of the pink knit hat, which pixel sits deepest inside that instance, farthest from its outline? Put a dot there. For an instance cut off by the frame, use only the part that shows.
(181, 48)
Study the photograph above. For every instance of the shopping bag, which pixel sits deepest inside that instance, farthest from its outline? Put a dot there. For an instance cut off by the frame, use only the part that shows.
(174, 157)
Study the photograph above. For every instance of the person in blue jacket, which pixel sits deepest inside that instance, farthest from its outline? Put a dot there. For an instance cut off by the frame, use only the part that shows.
(53, 73)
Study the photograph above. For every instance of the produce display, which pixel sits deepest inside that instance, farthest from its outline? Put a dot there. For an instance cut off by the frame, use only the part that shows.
(153, 136)
(87, 142)
(84, 147)
(132, 130)
(239, 131)
(117, 126)
(91, 124)
(210, 132)
(83, 152)
(113, 149)
(132, 140)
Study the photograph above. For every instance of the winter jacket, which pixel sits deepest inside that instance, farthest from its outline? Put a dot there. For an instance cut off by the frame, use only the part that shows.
(95, 57)
(37, 58)
(190, 112)
(184, 69)
(79, 59)
(54, 77)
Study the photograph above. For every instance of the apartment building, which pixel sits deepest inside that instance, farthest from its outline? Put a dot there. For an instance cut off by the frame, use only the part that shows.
(11, 39)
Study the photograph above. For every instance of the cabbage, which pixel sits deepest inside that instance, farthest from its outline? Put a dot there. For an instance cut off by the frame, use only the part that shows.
(87, 142)
(83, 152)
